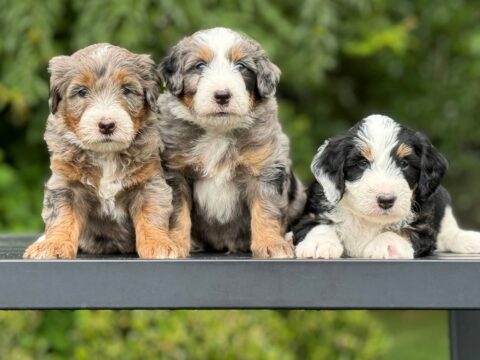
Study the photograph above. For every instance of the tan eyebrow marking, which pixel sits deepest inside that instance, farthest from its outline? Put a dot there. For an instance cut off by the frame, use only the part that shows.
(367, 152)
(205, 53)
(121, 76)
(236, 54)
(404, 150)
(86, 78)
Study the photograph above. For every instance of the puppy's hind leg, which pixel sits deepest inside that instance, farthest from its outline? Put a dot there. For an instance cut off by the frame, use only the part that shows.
(452, 238)
(180, 228)
(180, 220)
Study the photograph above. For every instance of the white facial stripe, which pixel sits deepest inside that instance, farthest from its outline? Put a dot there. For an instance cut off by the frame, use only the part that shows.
(100, 52)
(219, 40)
(379, 134)
(220, 75)
(106, 99)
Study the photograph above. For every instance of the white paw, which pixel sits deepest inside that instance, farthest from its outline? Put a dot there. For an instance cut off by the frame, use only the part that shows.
(388, 245)
(320, 243)
(41, 238)
(466, 242)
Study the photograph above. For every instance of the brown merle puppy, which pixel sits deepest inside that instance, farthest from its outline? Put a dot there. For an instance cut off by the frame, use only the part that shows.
(225, 152)
(107, 192)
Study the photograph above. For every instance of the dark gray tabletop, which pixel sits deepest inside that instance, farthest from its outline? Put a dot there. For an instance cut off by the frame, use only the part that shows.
(445, 281)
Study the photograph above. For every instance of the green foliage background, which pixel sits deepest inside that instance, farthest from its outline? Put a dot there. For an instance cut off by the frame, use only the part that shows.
(182, 335)
(417, 61)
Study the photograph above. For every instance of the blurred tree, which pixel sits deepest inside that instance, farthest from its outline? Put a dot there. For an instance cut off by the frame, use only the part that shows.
(417, 61)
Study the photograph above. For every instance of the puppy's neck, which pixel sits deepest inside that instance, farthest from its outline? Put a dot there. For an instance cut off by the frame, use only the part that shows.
(354, 223)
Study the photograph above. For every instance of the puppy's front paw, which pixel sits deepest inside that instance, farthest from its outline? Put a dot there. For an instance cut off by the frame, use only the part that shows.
(320, 243)
(161, 250)
(388, 245)
(44, 248)
(279, 249)
(183, 244)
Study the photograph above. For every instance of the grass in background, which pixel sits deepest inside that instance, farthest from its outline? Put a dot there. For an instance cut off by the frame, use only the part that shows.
(413, 335)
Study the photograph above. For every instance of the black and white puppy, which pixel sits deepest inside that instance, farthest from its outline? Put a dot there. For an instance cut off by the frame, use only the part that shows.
(378, 196)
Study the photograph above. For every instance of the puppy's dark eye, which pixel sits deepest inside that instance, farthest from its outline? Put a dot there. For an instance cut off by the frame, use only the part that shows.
(403, 164)
(239, 67)
(82, 92)
(201, 66)
(126, 91)
(363, 164)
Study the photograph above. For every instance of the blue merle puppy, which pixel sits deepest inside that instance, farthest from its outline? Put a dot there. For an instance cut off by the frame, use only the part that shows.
(226, 155)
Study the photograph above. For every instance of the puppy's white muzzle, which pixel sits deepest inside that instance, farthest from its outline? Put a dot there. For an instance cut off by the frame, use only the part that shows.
(106, 128)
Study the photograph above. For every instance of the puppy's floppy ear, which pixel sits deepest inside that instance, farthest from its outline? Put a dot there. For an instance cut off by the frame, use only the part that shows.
(151, 81)
(170, 70)
(327, 167)
(58, 68)
(268, 76)
(432, 168)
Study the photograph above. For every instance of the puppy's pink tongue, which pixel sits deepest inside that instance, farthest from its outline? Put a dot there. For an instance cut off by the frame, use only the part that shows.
(392, 252)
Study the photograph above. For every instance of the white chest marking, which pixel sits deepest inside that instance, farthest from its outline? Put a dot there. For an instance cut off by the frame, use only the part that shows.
(354, 232)
(216, 193)
(211, 149)
(108, 188)
(217, 199)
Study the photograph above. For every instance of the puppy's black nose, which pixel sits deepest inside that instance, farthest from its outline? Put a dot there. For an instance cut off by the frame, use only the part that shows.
(386, 201)
(106, 127)
(222, 96)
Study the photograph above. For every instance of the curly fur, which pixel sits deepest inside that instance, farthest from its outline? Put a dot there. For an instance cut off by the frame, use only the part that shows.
(229, 162)
(107, 192)
(379, 158)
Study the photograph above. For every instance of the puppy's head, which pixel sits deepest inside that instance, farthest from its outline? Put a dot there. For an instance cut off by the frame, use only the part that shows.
(219, 76)
(379, 169)
(103, 93)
